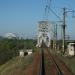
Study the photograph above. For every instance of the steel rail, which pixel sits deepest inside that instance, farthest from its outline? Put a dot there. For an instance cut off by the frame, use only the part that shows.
(54, 62)
(42, 66)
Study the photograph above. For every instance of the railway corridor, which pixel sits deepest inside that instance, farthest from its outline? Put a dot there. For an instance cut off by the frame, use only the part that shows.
(50, 68)
(54, 66)
(45, 63)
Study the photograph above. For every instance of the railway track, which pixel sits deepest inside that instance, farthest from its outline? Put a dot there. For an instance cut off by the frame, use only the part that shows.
(49, 66)
(54, 63)
(42, 67)
(46, 57)
(45, 63)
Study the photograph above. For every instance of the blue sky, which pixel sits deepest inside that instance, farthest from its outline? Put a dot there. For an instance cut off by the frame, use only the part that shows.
(21, 16)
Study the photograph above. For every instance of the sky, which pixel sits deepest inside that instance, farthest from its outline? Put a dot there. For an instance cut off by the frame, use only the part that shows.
(22, 16)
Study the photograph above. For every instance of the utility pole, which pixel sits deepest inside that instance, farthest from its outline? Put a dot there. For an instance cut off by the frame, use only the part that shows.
(63, 26)
(55, 37)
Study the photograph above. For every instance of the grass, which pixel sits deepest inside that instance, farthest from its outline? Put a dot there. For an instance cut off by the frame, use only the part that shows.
(14, 64)
(70, 62)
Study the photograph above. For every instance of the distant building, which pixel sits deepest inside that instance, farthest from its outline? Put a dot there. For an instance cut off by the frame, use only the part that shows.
(71, 49)
(21, 52)
(29, 51)
(10, 35)
(25, 52)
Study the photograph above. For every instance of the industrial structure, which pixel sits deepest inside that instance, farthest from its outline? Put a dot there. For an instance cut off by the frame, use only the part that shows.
(43, 34)
(10, 35)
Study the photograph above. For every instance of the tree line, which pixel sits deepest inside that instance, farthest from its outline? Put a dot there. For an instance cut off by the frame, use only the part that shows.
(9, 48)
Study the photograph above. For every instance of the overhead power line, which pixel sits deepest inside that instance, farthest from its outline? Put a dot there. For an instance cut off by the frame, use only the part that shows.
(55, 13)
(48, 9)
(47, 6)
